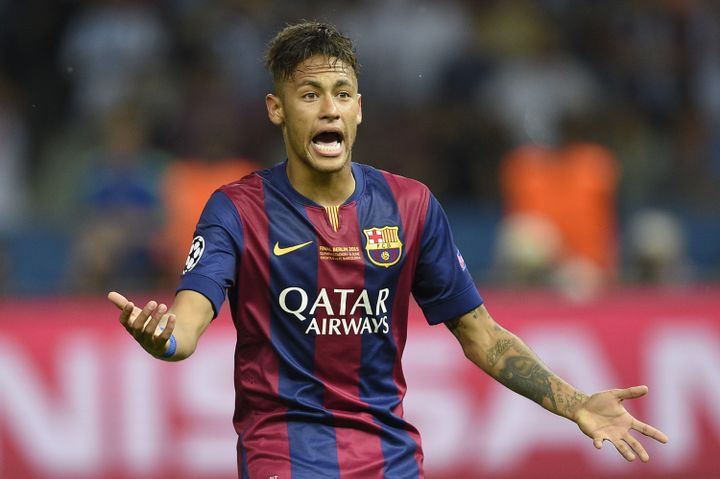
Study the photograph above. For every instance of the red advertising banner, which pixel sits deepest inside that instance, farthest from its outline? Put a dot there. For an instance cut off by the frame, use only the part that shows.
(79, 399)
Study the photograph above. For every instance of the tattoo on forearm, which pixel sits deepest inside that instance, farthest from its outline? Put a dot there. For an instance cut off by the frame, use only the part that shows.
(528, 377)
(521, 370)
(453, 324)
(495, 353)
(568, 404)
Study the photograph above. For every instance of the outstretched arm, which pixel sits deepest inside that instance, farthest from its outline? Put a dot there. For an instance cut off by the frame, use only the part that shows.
(509, 360)
(153, 325)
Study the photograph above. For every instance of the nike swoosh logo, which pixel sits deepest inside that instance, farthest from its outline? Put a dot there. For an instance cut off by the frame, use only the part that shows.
(283, 251)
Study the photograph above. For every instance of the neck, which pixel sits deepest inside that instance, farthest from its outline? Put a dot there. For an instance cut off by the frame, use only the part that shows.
(324, 188)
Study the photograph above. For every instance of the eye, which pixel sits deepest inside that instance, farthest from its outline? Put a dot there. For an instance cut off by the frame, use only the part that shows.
(311, 95)
(344, 94)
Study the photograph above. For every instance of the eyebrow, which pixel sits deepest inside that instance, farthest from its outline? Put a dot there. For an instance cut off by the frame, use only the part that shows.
(340, 83)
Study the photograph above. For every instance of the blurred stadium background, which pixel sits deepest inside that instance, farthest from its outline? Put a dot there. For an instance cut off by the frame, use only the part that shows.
(573, 143)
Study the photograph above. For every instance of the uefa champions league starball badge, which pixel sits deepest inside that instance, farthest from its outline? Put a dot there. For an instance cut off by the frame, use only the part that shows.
(196, 250)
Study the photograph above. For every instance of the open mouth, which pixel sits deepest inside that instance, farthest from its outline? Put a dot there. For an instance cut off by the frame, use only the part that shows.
(328, 143)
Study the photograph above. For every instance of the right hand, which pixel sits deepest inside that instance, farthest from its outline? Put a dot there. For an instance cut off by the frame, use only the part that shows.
(143, 323)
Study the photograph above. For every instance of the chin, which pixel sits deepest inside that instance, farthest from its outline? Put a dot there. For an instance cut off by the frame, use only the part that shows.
(328, 165)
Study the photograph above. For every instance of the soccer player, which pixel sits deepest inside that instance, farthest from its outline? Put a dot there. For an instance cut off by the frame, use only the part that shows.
(318, 257)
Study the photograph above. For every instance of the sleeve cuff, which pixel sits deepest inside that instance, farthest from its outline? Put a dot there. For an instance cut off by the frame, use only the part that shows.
(205, 286)
(454, 307)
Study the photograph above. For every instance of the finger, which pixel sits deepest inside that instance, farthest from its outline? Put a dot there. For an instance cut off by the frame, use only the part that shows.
(117, 299)
(127, 311)
(649, 431)
(631, 393)
(638, 448)
(624, 449)
(164, 336)
(137, 324)
(598, 442)
(155, 317)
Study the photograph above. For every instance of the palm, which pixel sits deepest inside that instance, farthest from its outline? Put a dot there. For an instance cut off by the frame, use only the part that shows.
(605, 416)
(602, 417)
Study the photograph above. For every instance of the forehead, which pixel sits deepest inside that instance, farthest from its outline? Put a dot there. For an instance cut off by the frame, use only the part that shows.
(318, 66)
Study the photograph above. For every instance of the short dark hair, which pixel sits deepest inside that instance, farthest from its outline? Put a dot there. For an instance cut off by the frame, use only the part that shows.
(296, 43)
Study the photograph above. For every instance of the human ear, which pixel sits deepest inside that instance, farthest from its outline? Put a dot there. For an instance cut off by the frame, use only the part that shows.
(273, 103)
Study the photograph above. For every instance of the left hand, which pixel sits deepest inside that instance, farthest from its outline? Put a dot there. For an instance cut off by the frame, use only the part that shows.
(603, 418)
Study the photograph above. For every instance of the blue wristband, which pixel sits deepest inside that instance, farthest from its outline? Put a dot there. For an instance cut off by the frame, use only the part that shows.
(172, 347)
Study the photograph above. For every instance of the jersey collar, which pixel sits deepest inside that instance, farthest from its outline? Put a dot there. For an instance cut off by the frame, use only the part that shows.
(279, 178)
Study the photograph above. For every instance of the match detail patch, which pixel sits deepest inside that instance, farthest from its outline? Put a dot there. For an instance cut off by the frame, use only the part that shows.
(196, 250)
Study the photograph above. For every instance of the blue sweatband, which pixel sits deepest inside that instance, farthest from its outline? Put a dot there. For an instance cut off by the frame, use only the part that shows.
(171, 348)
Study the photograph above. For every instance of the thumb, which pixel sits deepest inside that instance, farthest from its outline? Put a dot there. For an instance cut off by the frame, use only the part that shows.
(598, 442)
(632, 393)
(117, 299)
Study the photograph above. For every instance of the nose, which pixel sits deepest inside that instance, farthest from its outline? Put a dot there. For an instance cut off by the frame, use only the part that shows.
(329, 109)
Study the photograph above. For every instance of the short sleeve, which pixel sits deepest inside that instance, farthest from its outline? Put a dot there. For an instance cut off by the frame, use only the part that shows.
(442, 287)
(211, 265)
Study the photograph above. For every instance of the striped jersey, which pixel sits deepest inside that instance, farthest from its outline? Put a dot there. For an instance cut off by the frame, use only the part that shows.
(319, 297)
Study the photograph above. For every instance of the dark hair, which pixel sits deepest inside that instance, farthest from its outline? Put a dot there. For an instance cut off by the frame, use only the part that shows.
(296, 43)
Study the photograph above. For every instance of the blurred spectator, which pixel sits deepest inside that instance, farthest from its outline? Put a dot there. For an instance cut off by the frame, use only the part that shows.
(210, 124)
(704, 55)
(573, 189)
(535, 84)
(656, 249)
(529, 250)
(230, 36)
(115, 49)
(646, 55)
(119, 208)
(13, 145)
(644, 152)
(185, 188)
(13, 194)
(403, 44)
(208, 136)
(468, 146)
(28, 61)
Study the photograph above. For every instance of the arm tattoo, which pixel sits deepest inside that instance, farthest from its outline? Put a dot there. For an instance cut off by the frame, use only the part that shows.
(528, 377)
(454, 324)
(521, 371)
(495, 353)
(568, 404)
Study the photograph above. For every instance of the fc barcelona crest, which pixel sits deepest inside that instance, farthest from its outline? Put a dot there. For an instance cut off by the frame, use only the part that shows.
(383, 245)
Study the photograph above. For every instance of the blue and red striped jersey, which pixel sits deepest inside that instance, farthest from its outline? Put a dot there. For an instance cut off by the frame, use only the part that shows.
(319, 297)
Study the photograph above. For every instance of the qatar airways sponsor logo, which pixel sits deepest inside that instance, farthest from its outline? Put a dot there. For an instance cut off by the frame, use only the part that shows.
(338, 311)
